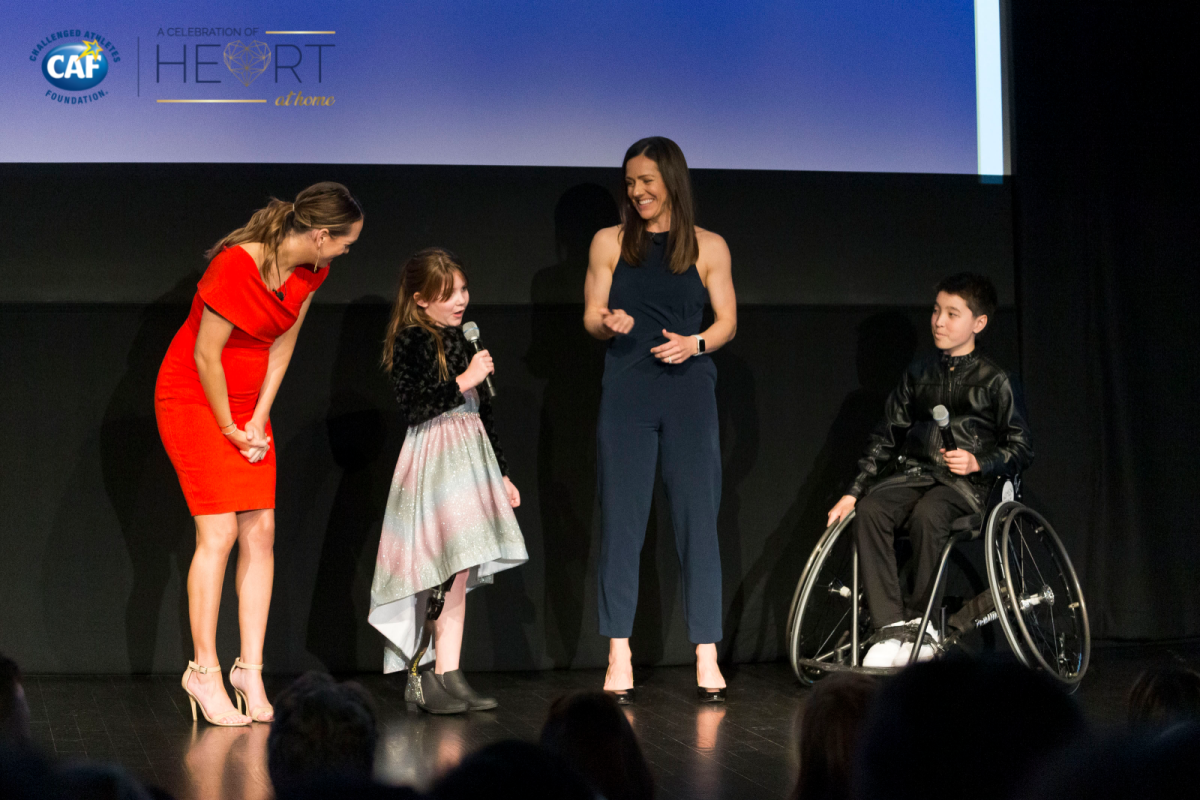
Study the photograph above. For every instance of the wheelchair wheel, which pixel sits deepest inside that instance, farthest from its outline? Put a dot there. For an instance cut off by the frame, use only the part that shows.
(820, 639)
(1044, 615)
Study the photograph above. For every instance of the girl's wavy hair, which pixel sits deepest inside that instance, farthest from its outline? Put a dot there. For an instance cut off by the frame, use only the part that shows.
(325, 205)
(429, 273)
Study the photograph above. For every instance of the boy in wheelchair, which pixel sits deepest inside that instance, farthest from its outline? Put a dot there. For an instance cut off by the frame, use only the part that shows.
(907, 478)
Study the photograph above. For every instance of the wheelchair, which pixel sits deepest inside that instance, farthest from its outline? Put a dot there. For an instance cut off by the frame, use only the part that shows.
(1033, 595)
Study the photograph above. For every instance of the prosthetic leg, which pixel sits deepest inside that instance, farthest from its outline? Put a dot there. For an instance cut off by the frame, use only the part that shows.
(423, 688)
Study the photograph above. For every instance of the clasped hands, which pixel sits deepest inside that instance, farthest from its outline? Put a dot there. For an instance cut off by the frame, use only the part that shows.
(252, 441)
(676, 350)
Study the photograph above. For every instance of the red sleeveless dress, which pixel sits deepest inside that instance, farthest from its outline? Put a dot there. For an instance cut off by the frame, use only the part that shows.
(215, 476)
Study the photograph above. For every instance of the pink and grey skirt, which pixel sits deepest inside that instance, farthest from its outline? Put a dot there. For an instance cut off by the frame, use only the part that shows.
(447, 512)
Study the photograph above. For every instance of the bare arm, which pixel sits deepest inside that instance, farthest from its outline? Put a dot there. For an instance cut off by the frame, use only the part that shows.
(277, 364)
(719, 281)
(214, 332)
(598, 320)
(717, 274)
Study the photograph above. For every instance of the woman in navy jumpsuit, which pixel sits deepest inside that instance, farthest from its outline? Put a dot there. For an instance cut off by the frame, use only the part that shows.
(648, 282)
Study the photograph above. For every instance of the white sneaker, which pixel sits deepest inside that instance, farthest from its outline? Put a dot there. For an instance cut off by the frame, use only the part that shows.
(883, 653)
(927, 651)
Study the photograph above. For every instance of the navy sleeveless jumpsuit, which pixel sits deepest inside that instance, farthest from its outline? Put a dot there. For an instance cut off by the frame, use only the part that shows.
(648, 407)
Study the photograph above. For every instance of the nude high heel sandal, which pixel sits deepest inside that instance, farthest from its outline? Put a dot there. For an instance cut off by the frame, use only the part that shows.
(194, 667)
(243, 698)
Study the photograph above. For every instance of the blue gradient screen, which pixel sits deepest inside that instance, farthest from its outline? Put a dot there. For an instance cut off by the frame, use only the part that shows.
(838, 86)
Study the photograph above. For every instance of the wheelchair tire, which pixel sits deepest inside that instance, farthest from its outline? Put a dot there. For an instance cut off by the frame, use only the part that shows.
(819, 637)
(1037, 594)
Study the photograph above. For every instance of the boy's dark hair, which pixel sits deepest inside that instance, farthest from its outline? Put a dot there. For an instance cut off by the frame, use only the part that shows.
(590, 732)
(322, 730)
(1165, 696)
(978, 290)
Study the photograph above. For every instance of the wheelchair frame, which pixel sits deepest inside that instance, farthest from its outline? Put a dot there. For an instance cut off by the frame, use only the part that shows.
(1022, 596)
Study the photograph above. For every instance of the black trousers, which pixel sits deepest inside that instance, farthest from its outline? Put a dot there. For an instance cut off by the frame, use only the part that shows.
(928, 511)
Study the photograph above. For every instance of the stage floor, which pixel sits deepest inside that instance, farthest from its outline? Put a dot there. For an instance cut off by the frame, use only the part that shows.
(744, 749)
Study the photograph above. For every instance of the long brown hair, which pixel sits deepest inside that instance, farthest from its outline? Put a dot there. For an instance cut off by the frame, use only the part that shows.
(682, 247)
(323, 205)
(429, 273)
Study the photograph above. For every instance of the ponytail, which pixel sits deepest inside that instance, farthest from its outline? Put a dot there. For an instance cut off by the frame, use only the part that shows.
(325, 205)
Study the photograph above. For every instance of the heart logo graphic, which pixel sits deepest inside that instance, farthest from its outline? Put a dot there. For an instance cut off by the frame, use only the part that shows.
(247, 61)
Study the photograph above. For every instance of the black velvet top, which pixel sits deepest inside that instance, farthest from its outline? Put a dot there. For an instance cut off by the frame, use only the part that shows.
(420, 390)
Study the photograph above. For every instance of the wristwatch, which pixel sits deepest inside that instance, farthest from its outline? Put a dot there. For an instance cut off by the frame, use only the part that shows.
(699, 344)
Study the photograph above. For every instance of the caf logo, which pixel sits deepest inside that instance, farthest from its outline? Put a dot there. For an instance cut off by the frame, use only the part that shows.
(75, 67)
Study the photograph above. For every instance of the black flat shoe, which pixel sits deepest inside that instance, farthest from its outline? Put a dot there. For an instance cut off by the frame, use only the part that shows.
(710, 695)
(430, 696)
(624, 697)
(456, 684)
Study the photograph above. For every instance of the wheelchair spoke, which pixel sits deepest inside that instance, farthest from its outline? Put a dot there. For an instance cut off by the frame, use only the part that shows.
(1035, 618)
(1036, 568)
(1050, 643)
(1058, 642)
(836, 627)
(1044, 595)
(832, 656)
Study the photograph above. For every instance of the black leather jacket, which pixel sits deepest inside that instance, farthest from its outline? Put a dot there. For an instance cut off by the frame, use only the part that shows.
(986, 415)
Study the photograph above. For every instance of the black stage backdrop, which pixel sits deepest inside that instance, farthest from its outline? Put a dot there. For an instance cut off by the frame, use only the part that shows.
(833, 271)
(1108, 228)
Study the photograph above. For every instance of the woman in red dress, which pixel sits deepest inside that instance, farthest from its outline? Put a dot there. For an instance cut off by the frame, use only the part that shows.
(213, 404)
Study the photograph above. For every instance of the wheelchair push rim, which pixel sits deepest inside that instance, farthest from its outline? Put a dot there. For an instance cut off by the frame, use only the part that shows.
(813, 557)
(799, 598)
(819, 633)
(1046, 618)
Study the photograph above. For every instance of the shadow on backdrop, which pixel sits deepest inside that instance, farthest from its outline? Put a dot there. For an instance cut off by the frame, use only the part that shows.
(141, 483)
(356, 422)
(737, 411)
(886, 344)
(571, 363)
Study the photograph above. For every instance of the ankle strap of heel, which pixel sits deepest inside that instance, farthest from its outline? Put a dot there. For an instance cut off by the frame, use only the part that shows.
(239, 664)
(194, 667)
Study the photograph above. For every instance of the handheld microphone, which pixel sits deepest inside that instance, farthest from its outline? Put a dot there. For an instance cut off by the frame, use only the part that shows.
(942, 417)
(471, 332)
